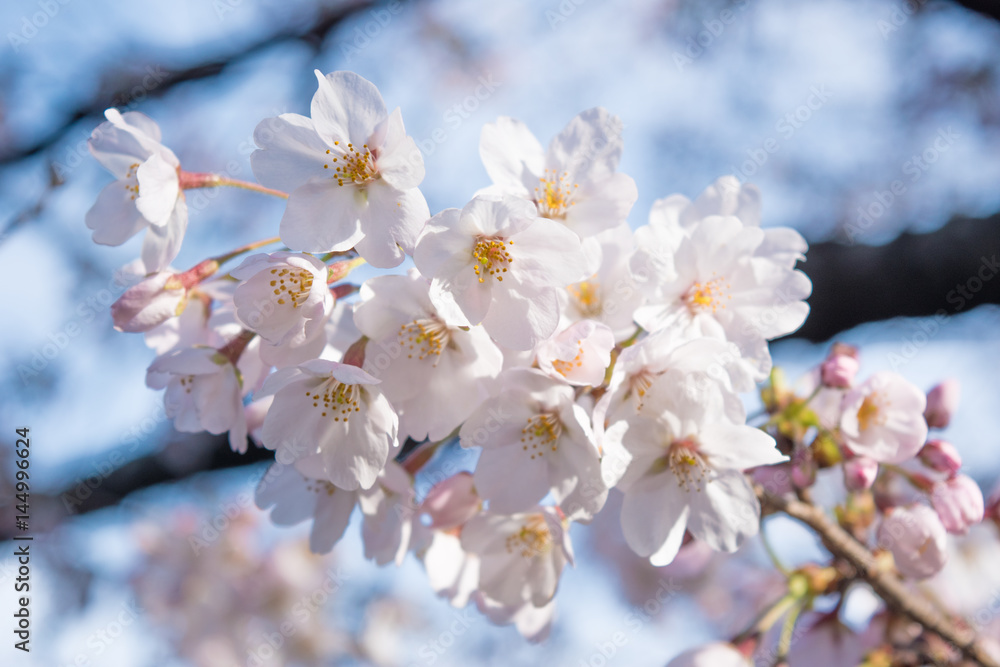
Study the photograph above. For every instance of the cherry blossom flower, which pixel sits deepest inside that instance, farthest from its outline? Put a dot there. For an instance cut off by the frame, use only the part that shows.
(351, 170)
(501, 266)
(535, 440)
(521, 556)
(683, 460)
(452, 572)
(722, 277)
(711, 655)
(580, 354)
(434, 373)
(296, 495)
(840, 367)
(958, 502)
(883, 418)
(203, 392)
(284, 298)
(668, 351)
(574, 182)
(609, 296)
(917, 540)
(334, 409)
(147, 193)
(451, 502)
(389, 511)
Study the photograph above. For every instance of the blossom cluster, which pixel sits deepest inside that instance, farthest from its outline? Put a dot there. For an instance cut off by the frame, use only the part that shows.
(532, 325)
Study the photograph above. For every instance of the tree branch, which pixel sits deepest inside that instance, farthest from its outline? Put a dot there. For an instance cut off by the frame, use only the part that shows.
(127, 81)
(916, 275)
(885, 583)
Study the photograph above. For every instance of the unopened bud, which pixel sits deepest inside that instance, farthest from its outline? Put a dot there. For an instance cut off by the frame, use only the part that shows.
(941, 455)
(452, 502)
(860, 473)
(840, 367)
(959, 503)
(942, 401)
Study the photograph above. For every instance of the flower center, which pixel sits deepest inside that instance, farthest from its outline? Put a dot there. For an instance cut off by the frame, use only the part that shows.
(320, 486)
(687, 464)
(587, 297)
(870, 413)
(132, 180)
(707, 296)
(534, 539)
(542, 430)
(554, 195)
(564, 367)
(353, 166)
(291, 285)
(187, 382)
(424, 337)
(492, 258)
(338, 399)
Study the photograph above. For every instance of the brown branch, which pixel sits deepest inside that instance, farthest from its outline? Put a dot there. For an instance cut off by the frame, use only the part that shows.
(885, 583)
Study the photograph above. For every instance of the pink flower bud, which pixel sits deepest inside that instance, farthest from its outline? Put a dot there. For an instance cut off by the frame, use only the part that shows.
(149, 303)
(916, 539)
(840, 366)
(959, 503)
(942, 456)
(452, 502)
(860, 473)
(942, 401)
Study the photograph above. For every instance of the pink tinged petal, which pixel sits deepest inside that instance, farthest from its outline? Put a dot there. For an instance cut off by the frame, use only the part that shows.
(290, 153)
(959, 503)
(147, 304)
(322, 216)
(510, 480)
(345, 373)
(521, 318)
(917, 540)
(725, 512)
(158, 190)
(114, 217)
(738, 447)
(399, 160)
(654, 516)
(161, 244)
(333, 512)
(512, 155)
(346, 107)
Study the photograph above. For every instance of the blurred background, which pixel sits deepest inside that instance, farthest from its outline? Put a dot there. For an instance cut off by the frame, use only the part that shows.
(871, 127)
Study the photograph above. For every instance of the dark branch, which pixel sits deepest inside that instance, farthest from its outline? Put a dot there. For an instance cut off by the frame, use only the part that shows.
(917, 275)
(127, 82)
